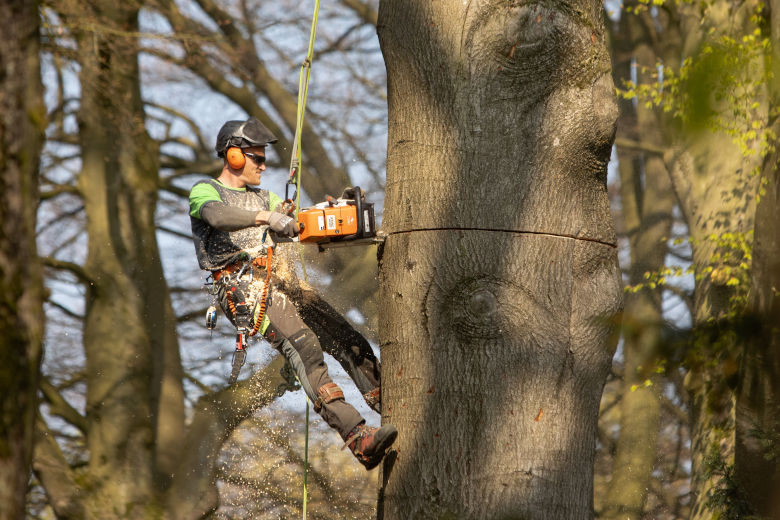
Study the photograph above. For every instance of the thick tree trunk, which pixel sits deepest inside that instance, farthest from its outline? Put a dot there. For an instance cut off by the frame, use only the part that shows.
(647, 214)
(22, 122)
(499, 283)
(135, 397)
(758, 394)
(717, 196)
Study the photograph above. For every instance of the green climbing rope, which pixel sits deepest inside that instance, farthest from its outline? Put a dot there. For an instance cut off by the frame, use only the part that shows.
(295, 166)
(306, 460)
(303, 93)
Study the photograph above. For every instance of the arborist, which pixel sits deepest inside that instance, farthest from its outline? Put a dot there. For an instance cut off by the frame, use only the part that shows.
(230, 221)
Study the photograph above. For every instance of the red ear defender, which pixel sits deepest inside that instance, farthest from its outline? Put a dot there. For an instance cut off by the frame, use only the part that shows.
(235, 158)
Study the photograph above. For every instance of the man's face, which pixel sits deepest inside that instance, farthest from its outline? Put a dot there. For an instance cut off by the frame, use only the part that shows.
(252, 172)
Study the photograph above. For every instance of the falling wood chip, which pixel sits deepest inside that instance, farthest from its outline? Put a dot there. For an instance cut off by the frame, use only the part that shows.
(540, 415)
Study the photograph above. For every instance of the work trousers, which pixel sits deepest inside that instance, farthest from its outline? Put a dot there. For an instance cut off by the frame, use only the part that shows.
(288, 333)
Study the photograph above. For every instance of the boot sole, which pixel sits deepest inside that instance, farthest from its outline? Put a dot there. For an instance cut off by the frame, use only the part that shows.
(384, 437)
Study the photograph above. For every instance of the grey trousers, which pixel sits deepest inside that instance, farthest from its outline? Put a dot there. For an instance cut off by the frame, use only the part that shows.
(289, 334)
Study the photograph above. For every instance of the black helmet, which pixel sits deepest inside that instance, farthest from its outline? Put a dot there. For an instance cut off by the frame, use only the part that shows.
(243, 134)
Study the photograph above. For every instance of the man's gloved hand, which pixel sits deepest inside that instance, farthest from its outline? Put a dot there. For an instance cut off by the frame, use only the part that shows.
(283, 225)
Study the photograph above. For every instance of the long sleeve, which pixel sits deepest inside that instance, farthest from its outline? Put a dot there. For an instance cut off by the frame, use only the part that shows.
(227, 218)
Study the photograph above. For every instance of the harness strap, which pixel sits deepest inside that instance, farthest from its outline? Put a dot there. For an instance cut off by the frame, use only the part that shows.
(260, 315)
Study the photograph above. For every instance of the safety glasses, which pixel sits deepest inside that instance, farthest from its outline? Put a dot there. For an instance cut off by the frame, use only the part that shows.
(257, 159)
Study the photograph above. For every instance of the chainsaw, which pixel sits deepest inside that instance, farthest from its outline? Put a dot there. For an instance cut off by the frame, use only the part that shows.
(346, 221)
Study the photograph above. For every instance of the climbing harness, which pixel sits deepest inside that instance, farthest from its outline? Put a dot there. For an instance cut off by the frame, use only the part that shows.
(231, 279)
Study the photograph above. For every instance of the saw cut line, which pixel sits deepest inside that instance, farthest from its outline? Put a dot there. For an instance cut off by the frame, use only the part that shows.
(614, 246)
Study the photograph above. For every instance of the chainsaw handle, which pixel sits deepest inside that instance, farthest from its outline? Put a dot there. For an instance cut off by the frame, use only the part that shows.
(358, 217)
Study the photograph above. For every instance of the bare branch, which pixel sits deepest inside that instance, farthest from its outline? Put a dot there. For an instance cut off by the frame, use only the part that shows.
(678, 412)
(50, 194)
(76, 269)
(641, 146)
(203, 387)
(363, 10)
(54, 474)
(192, 315)
(62, 408)
(174, 232)
(65, 310)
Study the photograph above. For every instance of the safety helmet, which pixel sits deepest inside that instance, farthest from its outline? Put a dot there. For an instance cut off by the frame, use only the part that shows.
(243, 134)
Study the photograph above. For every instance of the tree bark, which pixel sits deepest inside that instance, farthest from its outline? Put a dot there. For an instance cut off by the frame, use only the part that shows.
(22, 123)
(647, 213)
(135, 408)
(717, 196)
(499, 280)
(758, 393)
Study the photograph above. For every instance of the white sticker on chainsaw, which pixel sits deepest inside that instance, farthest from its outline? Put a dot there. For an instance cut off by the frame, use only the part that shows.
(321, 223)
(366, 223)
(331, 221)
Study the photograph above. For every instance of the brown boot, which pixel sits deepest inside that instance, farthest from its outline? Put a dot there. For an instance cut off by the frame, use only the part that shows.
(369, 444)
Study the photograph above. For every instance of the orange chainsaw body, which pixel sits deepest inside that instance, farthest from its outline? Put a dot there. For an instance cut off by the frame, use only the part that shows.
(328, 222)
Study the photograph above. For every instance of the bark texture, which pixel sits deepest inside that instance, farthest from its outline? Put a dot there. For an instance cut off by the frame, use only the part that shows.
(135, 409)
(758, 394)
(499, 280)
(647, 205)
(22, 121)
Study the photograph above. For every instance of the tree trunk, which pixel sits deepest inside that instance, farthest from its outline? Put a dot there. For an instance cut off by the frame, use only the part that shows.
(22, 123)
(135, 397)
(717, 196)
(647, 213)
(758, 394)
(499, 279)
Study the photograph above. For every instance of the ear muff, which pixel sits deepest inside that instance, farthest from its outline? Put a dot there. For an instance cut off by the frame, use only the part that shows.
(235, 158)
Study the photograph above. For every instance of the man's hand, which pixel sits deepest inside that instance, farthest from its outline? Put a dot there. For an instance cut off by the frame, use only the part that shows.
(283, 225)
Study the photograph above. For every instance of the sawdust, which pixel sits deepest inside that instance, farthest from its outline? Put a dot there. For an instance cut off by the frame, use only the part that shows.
(283, 270)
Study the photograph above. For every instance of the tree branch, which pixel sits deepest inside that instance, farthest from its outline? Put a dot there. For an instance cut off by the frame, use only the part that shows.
(50, 194)
(62, 408)
(55, 476)
(174, 232)
(192, 315)
(65, 310)
(76, 269)
(363, 10)
(166, 185)
(678, 412)
(641, 146)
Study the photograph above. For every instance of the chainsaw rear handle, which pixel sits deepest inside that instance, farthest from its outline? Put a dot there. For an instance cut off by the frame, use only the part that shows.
(359, 217)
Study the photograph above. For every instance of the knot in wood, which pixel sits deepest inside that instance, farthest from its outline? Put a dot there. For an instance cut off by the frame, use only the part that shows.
(482, 303)
(481, 309)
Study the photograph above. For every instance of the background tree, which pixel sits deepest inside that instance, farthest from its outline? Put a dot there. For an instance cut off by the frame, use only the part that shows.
(120, 450)
(22, 120)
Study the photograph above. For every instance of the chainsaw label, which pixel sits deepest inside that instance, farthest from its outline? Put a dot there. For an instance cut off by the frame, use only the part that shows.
(366, 223)
(321, 223)
(331, 221)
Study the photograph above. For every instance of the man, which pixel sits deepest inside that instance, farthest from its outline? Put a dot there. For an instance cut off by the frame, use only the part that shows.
(229, 219)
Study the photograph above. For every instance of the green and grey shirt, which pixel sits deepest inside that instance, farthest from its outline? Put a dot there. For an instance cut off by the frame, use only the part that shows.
(223, 222)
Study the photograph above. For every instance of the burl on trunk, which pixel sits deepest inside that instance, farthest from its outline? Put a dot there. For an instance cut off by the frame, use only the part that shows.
(499, 280)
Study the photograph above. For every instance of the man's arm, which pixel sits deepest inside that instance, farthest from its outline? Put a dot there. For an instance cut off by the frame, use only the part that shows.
(228, 218)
